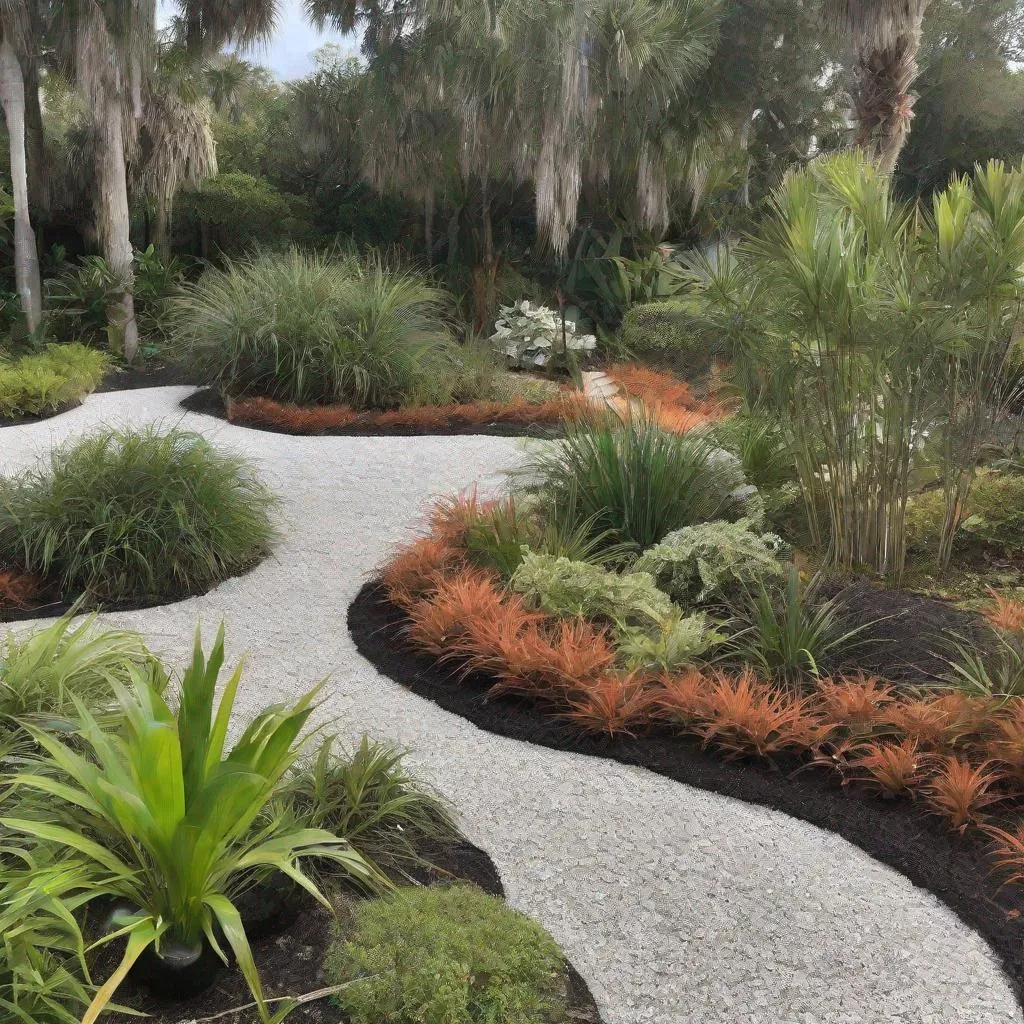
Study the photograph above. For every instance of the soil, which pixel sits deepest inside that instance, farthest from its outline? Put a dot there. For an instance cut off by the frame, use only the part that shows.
(956, 869)
(132, 378)
(50, 603)
(904, 636)
(17, 421)
(289, 950)
(210, 402)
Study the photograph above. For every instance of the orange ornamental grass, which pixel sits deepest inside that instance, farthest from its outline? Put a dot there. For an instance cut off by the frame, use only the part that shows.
(1005, 744)
(960, 791)
(414, 570)
(614, 704)
(651, 386)
(18, 588)
(892, 768)
(1005, 612)
(747, 716)
(937, 723)
(855, 701)
(1008, 851)
(439, 621)
(451, 517)
(681, 699)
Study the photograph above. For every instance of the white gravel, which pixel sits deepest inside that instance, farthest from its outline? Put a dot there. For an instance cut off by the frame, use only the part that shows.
(675, 904)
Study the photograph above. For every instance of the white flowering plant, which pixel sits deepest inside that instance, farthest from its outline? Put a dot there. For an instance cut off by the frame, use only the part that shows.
(532, 337)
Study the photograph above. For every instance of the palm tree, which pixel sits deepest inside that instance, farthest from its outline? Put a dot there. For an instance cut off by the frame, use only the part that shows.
(885, 36)
(14, 40)
(226, 79)
(111, 46)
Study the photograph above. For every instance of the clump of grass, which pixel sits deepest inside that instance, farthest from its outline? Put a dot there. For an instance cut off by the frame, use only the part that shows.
(44, 381)
(308, 328)
(139, 514)
(893, 769)
(446, 954)
(633, 481)
(960, 791)
(369, 799)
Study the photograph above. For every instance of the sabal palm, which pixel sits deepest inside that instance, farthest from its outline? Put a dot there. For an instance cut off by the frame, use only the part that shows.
(885, 36)
(16, 41)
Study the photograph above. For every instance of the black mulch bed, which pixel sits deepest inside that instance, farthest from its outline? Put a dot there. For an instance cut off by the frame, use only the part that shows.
(906, 637)
(17, 421)
(956, 869)
(51, 604)
(210, 402)
(290, 933)
(133, 378)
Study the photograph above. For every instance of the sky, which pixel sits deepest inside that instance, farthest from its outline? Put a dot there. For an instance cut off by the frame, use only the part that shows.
(289, 53)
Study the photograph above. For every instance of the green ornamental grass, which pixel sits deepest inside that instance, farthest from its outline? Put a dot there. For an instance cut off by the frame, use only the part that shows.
(137, 514)
(308, 328)
(45, 381)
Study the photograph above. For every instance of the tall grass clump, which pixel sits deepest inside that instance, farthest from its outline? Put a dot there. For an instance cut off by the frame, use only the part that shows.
(871, 328)
(633, 482)
(311, 328)
(137, 514)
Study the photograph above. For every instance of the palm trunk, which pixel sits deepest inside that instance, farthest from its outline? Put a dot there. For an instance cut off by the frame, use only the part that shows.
(35, 146)
(428, 222)
(26, 258)
(161, 235)
(114, 219)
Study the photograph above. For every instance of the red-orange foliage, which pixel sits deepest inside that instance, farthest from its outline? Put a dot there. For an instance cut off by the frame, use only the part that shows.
(451, 517)
(1008, 851)
(651, 386)
(413, 571)
(748, 716)
(855, 701)
(959, 791)
(18, 589)
(316, 419)
(1005, 612)
(894, 768)
(612, 704)
(439, 621)
(681, 699)
(1006, 742)
(937, 723)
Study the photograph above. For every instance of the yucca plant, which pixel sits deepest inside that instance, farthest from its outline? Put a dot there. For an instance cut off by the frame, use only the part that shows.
(163, 817)
(995, 673)
(634, 482)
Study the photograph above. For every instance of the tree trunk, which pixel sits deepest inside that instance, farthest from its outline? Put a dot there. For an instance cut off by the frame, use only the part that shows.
(745, 147)
(114, 219)
(26, 258)
(35, 146)
(161, 235)
(883, 104)
(485, 276)
(428, 222)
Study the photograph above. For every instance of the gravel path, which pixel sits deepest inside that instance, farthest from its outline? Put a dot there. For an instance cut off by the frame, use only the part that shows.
(677, 905)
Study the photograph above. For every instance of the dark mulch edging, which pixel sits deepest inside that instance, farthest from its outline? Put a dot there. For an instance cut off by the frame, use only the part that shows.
(957, 870)
(905, 635)
(289, 951)
(51, 604)
(134, 378)
(19, 421)
(210, 402)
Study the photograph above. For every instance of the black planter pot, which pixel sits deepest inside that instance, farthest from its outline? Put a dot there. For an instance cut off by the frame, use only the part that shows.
(177, 972)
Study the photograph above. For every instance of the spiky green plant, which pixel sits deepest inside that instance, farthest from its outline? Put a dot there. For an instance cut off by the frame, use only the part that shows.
(159, 816)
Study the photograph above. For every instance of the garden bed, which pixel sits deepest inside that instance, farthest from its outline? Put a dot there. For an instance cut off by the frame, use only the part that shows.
(956, 868)
(289, 954)
(499, 419)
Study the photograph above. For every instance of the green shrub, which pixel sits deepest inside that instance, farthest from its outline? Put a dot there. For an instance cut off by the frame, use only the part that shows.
(136, 514)
(43, 673)
(307, 328)
(168, 809)
(663, 329)
(507, 386)
(923, 521)
(636, 482)
(563, 587)
(370, 800)
(995, 511)
(712, 561)
(446, 956)
(759, 443)
(58, 376)
(675, 642)
(233, 212)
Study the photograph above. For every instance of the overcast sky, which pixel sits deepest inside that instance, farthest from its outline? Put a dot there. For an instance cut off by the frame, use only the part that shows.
(288, 54)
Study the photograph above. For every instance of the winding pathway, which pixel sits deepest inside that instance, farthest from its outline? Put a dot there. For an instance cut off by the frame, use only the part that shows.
(677, 905)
